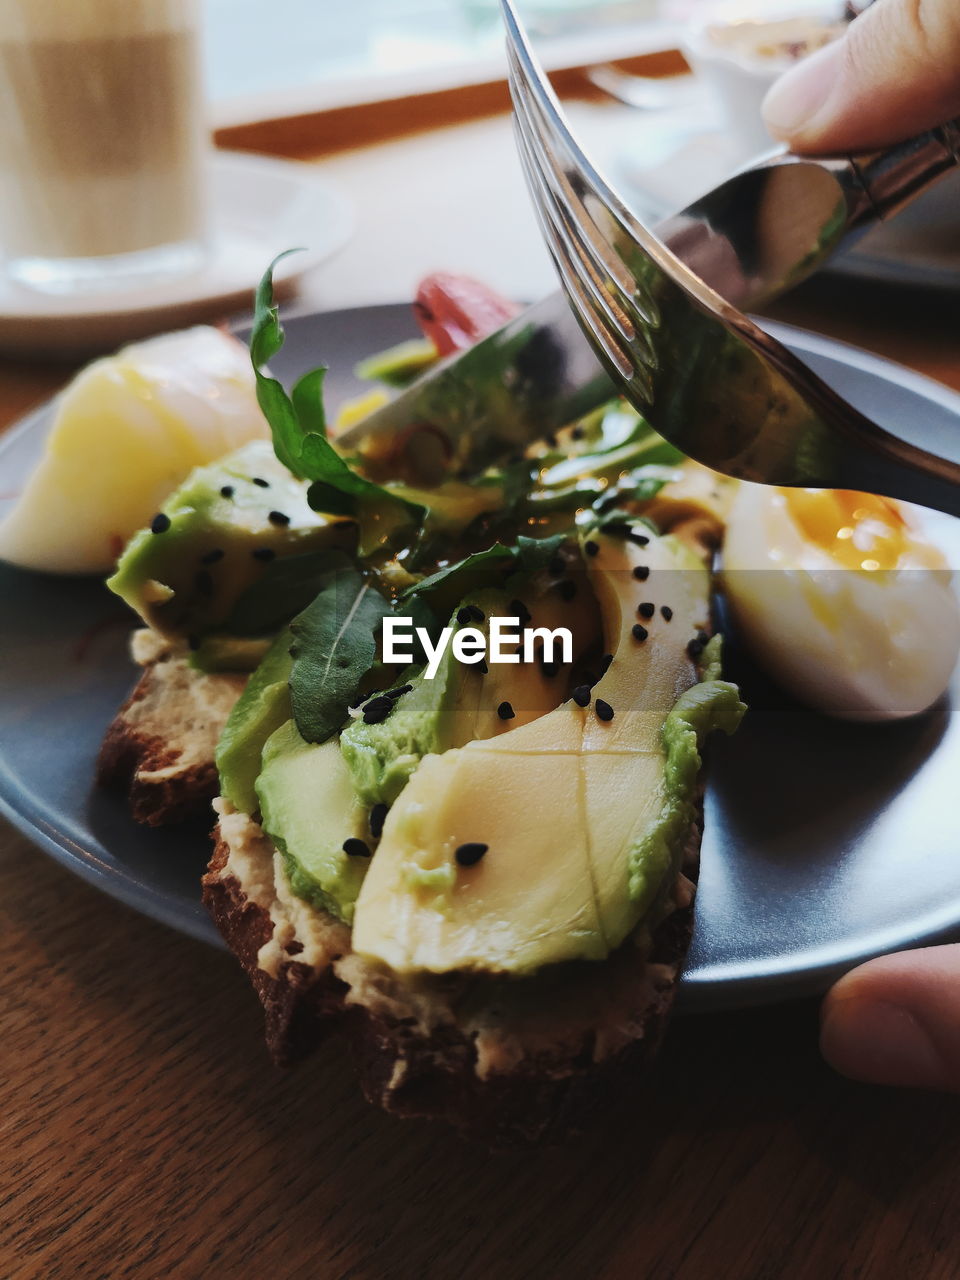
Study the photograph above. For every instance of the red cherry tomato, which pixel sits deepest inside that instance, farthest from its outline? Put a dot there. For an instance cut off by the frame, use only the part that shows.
(454, 311)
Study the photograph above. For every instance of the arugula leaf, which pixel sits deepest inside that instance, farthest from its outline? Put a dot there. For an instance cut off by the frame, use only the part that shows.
(287, 586)
(334, 646)
(298, 425)
(448, 586)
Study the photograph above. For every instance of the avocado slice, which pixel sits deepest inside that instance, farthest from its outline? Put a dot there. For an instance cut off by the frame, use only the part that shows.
(462, 703)
(262, 708)
(316, 797)
(399, 365)
(311, 812)
(216, 536)
(580, 817)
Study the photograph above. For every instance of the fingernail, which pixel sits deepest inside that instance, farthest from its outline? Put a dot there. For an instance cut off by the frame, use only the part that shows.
(800, 95)
(880, 1042)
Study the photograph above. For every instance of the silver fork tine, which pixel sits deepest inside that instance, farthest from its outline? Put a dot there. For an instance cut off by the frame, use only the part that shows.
(589, 299)
(530, 85)
(564, 225)
(582, 301)
(574, 222)
(614, 292)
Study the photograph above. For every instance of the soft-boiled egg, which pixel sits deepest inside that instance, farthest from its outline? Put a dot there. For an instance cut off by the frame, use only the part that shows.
(127, 431)
(843, 598)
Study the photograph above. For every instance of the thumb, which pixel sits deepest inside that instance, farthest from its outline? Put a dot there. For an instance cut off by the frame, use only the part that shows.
(895, 72)
(896, 1020)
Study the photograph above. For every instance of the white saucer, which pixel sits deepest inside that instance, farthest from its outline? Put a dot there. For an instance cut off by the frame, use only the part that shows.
(259, 207)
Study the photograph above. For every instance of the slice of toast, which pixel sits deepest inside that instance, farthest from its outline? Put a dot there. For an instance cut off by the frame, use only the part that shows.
(504, 1060)
(160, 745)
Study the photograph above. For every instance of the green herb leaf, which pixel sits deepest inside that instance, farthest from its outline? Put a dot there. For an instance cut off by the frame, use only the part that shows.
(307, 397)
(334, 646)
(287, 586)
(298, 425)
(445, 588)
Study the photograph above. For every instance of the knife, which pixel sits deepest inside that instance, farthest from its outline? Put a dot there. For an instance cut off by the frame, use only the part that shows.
(759, 233)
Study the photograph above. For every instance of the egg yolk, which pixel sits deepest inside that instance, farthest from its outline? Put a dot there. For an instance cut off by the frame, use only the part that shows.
(858, 530)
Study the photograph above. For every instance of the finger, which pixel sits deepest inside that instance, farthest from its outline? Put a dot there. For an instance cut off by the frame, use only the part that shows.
(895, 72)
(896, 1020)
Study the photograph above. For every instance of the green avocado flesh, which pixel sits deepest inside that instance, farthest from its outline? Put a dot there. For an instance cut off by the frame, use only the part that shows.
(583, 817)
(309, 809)
(460, 704)
(218, 535)
(262, 708)
(315, 797)
(399, 365)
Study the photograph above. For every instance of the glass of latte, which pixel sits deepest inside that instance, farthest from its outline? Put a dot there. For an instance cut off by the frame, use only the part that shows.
(102, 142)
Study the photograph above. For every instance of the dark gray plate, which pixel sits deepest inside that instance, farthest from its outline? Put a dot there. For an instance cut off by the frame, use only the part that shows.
(825, 843)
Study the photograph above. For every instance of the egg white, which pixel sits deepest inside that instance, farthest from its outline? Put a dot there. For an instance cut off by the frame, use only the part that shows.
(853, 643)
(127, 431)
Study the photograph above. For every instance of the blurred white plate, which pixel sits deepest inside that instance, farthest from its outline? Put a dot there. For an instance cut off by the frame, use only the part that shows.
(259, 206)
(673, 157)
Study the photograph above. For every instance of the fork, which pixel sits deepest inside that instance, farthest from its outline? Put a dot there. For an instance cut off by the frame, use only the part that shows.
(708, 378)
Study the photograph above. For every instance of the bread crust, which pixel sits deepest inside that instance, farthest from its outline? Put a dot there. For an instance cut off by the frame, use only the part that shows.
(413, 1070)
(160, 746)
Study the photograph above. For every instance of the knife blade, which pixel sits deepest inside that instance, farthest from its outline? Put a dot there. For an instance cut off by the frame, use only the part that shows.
(537, 373)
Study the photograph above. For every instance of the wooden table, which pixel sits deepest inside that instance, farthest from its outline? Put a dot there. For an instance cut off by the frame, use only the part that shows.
(145, 1134)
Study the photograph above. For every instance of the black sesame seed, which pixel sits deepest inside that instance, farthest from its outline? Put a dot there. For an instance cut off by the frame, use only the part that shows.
(603, 709)
(639, 633)
(577, 433)
(356, 848)
(647, 609)
(591, 548)
(567, 590)
(638, 539)
(694, 649)
(263, 484)
(605, 662)
(666, 612)
(505, 711)
(703, 637)
(464, 615)
(377, 817)
(278, 518)
(581, 695)
(618, 527)
(226, 491)
(212, 557)
(377, 709)
(469, 854)
(520, 609)
(264, 553)
(160, 523)
(641, 572)
(477, 613)
(394, 694)
(557, 566)
(204, 582)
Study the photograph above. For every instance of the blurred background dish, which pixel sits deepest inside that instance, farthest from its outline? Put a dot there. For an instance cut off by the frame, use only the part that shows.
(740, 47)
